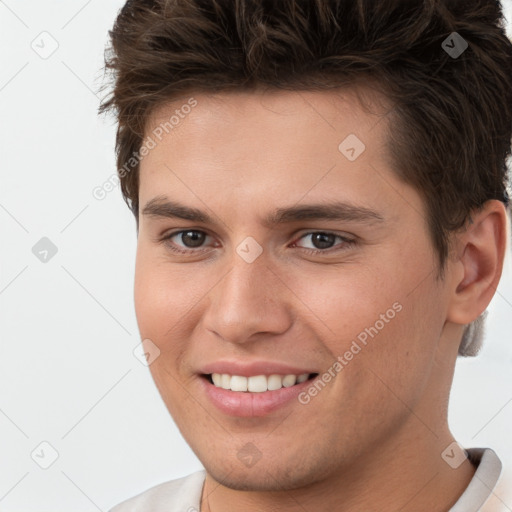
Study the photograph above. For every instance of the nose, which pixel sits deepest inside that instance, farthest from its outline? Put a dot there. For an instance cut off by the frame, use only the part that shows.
(249, 301)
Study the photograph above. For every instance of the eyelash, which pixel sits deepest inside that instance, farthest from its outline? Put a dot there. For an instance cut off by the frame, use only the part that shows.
(347, 242)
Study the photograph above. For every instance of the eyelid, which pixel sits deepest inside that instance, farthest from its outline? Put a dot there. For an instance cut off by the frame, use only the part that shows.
(346, 241)
(166, 237)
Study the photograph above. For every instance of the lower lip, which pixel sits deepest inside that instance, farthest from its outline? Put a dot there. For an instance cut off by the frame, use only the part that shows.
(246, 404)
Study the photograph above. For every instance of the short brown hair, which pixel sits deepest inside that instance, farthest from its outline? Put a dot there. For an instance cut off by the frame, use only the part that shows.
(452, 127)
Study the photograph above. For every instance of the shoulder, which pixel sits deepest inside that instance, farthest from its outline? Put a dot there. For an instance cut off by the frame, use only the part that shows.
(181, 495)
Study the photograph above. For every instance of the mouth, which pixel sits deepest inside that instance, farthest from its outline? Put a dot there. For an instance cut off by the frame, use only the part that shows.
(256, 383)
(254, 388)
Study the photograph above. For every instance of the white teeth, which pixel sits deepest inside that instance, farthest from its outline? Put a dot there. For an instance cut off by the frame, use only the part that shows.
(274, 382)
(257, 383)
(225, 381)
(289, 381)
(238, 383)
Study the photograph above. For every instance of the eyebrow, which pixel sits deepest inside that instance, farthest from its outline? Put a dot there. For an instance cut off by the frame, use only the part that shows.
(162, 207)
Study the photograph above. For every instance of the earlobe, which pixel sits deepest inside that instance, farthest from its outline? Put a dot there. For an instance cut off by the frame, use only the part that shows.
(480, 264)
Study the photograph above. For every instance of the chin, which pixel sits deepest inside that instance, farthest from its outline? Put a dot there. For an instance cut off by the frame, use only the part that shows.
(260, 478)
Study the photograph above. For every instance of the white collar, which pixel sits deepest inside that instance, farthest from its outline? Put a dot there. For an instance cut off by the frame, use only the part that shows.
(483, 482)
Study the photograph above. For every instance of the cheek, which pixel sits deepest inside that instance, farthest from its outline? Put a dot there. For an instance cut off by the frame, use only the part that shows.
(150, 300)
(397, 362)
(162, 303)
(348, 302)
(165, 296)
(381, 320)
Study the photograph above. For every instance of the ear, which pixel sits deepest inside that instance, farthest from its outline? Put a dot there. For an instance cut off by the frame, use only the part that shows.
(477, 268)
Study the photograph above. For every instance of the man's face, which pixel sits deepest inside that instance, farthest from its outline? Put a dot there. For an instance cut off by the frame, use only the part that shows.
(350, 302)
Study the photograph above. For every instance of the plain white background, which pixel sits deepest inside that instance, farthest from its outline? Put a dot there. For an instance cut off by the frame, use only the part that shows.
(68, 375)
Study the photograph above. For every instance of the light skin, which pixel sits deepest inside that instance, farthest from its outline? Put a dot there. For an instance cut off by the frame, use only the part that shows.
(372, 438)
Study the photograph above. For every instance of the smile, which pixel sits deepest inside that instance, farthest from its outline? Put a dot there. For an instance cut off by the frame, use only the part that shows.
(256, 383)
(254, 395)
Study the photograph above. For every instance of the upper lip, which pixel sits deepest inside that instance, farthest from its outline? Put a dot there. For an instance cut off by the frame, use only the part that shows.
(249, 369)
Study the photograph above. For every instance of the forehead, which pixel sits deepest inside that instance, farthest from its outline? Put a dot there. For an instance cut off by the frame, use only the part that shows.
(355, 105)
(268, 148)
(290, 125)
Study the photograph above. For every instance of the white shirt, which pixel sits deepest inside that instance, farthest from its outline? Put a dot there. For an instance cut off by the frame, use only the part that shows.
(184, 494)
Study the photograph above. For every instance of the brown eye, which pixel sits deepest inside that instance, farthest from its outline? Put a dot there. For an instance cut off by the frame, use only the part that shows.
(192, 238)
(186, 241)
(322, 242)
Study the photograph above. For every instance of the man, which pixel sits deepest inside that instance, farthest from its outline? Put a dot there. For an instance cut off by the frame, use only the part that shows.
(320, 195)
